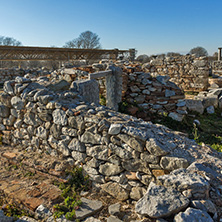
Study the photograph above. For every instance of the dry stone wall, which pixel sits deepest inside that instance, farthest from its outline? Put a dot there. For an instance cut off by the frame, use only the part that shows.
(217, 67)
(122, 155)
(10, 74)
(188, 72)
(154, 95)
(141, 91)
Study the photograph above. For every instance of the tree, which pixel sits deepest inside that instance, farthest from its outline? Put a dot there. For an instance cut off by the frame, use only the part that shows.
(199, 51)
(4, 40)
(86, 40)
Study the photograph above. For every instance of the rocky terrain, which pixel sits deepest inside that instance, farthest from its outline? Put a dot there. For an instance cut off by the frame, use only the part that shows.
(149, 172)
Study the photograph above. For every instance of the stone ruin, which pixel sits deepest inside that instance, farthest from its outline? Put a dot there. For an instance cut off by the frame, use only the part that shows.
(188, 72)
(166, 175)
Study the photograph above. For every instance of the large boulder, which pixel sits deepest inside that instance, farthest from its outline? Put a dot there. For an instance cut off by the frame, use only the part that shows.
(184, 181)
(195, 105)
(160, 202)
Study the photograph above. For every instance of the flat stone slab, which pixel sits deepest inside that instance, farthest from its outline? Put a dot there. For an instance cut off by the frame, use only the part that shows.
(88, 208)
(161, 202)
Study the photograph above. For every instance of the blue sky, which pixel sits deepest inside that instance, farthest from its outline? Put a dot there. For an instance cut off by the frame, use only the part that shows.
(150, 26)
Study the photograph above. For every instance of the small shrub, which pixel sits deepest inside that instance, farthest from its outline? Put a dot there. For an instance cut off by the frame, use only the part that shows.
(70, 193)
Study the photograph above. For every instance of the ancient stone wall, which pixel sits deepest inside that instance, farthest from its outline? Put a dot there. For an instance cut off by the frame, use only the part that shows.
(217, 67)
(153, 95)
(188, 72)
(110, 145)
(10, 74)
(121, 154)
(142, 93)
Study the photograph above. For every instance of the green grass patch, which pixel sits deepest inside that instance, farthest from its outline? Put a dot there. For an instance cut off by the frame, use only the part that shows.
(70, 193)
(208, 132)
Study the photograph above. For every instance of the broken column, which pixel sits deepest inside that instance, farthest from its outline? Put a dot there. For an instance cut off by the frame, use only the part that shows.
(219, 54)
(114, 88)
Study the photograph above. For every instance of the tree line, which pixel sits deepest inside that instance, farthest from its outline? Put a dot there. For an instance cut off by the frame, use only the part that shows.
(86, 40)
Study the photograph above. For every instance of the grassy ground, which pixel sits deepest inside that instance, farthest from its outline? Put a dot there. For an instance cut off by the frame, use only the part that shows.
(209, 131)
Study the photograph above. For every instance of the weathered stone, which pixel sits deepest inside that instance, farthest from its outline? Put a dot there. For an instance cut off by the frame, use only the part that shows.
(163, 79)
(156, 148)
(55, 130)
(182, 180)
(97, 178)
(5, 99)
(192, 214)
(42, 212)
(140, 99)
(41, 132)
(17, 103)
(77, 156)
(195, 105)
(68, 131)
(210, 109)
(29, 119)
(90, 170)
(59, 117)
(8, 87)
(176, 116)
(205, 205)
(114, 209)
(210, 100)
(76, 145)
(9, 121)
(88, 137)
(134, 88)
(99, 152)
(109, 169)
(137, 193)
(59, 85)
(132, 142)
(149, 158)
(136, 165)
(115, 190)
(146, 179)
(173, 163)
(45, 116)
(92, 219)
(113, 219)
(161, 202)
(4, 111)
(135, 132)
(115, 129)
(88, 208)
(169, 93)
(2, 127)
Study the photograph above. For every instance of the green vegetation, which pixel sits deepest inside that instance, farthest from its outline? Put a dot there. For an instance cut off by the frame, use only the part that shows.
(191, 93)
(70, 193)
(208, 132)
(102, 100)
(11, 210)
(123, 107)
